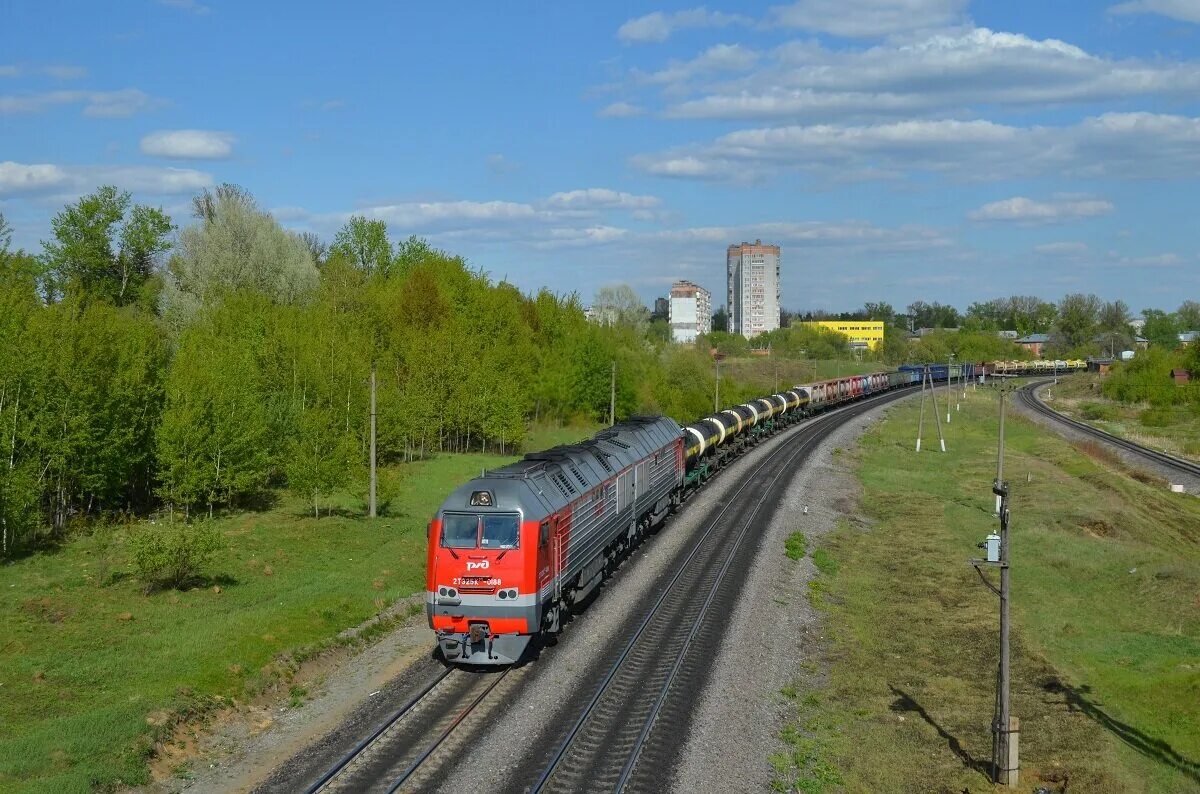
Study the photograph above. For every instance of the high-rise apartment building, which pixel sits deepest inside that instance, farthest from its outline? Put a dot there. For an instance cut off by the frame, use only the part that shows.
(691, 311)
(753, 273)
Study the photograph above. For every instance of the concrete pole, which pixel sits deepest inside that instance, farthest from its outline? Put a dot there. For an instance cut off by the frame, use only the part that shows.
(921, 420)
(612, 396)
(371, 506)
(949, 386)
(717, 393)
(1000, 448)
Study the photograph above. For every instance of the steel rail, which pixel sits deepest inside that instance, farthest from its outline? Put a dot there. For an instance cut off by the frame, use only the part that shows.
(581, 721)
(1028, 396)
(420, 759)
(359, 748)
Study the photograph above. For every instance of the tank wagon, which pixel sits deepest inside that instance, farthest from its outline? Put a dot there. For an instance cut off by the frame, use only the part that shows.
(511, 552)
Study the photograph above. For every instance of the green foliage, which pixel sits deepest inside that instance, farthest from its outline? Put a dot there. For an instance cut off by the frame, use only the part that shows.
(1078, 321)
(1147, 378)
(236, 247)
(1158, 417)
(103, 249)
(1161, 328)
(825, 562)
(937, 346)
(320, 456)
(173, 554)
(796, 545)
(365, 244)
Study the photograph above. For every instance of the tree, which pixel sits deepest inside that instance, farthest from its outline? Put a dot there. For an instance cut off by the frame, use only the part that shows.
(1189, 315)
(933, 315)
(320, 457)
(104, 250)
(236, 247)
(1078, 318)
(1161, 329)
(720, 320)
(1114, 317)
(881, 311)
(365, 243)
(620, 305)
(317, 248)
(5, 235)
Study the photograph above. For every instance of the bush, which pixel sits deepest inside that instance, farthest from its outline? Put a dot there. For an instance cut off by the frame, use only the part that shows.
(1157, 417)
(1091, 410)
(796, 545)
(173, 554)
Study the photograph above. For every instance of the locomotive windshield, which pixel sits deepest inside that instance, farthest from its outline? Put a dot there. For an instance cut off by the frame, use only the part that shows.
(499, 532)
(468, 531)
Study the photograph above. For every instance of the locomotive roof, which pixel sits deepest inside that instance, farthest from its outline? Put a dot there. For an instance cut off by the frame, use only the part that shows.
(546, 481)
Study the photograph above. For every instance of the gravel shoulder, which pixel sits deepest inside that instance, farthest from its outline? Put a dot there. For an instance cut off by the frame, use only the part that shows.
(1131, 459)
(775, 633)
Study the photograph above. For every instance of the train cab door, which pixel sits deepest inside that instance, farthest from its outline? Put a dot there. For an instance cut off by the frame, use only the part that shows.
(549, 559)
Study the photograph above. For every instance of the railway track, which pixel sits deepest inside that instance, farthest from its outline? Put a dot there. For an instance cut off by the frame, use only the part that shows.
(626, 734)
(390, 757)
(1027, 395)
(614, 739)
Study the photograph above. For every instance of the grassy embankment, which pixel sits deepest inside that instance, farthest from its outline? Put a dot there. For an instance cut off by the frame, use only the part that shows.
(1106, 611)
(93, 669)
(1174, 430)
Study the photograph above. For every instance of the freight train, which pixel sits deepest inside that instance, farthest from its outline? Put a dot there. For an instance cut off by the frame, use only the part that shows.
(513, 551)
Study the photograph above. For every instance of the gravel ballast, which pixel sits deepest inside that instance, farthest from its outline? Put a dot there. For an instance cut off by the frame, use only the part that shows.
(773, 632)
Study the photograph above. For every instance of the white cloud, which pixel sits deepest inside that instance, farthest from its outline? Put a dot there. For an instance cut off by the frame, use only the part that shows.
(659, 26)
(421, 213)
(1123, 145)
(868, 18)
(578, 237)
(857, 235)
(28, 179)
(187, 5)
(600, 198)
(1062, 249)
(188, 144)
(1183, 10)
(1024, 210)
(57, 71)
(499, 164)
(104, 104)
(941, 73)
(718, 58)
(1156, 260)
(620, 110)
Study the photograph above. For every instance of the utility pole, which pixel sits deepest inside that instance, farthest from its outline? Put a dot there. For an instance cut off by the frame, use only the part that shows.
(612, 396)
(717, 393)
(371, 507)
(1005, 727)
(927, 377)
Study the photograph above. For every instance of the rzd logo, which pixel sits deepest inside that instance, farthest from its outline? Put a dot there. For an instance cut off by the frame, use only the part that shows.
(477, 566)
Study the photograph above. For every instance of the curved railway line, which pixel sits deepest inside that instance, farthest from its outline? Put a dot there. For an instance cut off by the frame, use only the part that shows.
(1027, 395)
(630, 716)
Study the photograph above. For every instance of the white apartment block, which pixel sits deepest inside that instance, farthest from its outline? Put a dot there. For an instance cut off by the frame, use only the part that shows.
(690, 311)
(753, 273)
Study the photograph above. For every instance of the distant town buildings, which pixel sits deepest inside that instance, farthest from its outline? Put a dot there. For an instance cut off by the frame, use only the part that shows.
(690, 311)
(662, 309)
(863, 334)
(1034, 343)
(752, 271)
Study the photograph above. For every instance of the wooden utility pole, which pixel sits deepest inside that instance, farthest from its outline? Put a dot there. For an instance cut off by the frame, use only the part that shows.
(612, 396)
(371, 507)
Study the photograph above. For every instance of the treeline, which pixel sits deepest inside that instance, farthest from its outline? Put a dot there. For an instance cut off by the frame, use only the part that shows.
(146, 367)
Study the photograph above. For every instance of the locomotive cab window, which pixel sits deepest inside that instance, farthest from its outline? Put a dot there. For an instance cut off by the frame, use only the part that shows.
(544, 534)
(460, 531)
(500, 532)
(468, 531)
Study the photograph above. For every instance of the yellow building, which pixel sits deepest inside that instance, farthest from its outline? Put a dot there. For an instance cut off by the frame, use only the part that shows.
(862, 333)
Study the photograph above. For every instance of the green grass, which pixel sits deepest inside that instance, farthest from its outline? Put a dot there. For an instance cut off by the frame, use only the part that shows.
(796, 546)
(546, 435)
(87, 657)
(1106, 635)
(1172, 429)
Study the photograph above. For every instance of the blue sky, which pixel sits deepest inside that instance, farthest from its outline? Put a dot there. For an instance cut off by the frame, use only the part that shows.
(897, 149)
